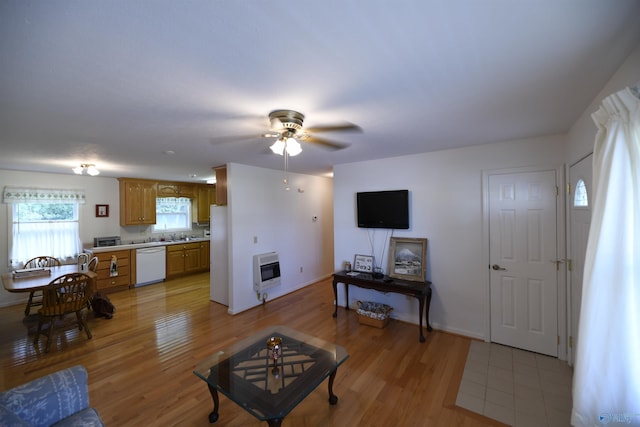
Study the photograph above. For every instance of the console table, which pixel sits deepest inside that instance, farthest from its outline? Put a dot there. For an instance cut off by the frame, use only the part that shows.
(419, 290)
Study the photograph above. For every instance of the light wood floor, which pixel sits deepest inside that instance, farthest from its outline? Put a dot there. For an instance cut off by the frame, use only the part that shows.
(141, 362)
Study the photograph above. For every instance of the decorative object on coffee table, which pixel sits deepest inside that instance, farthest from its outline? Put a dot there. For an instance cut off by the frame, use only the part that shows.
(274, 344)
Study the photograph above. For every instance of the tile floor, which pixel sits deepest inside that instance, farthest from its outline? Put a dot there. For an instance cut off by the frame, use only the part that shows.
(516, 387)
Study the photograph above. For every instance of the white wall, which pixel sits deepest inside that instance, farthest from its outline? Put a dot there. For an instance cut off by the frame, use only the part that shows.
(446, 208)
(98, 190)
(282, 221)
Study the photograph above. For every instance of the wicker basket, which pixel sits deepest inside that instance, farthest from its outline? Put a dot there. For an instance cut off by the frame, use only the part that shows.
(374, 314)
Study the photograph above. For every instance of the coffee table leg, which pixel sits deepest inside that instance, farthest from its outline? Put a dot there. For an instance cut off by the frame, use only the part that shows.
(275, 423)
(213, 417)
(333, 399)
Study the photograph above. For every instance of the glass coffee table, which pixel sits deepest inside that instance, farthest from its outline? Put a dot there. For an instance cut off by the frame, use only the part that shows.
(270, 387)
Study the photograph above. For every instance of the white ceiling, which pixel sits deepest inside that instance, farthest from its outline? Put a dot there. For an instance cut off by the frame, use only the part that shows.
(116, 83)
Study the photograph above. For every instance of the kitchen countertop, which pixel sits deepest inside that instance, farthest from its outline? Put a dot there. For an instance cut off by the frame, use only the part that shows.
(145, 245)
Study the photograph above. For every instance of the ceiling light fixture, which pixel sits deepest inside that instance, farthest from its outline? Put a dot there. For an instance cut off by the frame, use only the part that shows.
(287, 147)
(88, 168)
(290, 145)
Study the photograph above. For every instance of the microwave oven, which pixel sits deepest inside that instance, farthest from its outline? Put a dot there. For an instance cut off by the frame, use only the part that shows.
(99, 242)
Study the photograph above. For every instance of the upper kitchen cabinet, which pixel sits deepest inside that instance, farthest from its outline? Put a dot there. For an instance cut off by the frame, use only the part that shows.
(205, 197)
(221, 185)
(176, 189)
(137, 201)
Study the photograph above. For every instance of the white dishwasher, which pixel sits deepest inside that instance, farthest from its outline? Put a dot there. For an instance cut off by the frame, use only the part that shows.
(151, 265)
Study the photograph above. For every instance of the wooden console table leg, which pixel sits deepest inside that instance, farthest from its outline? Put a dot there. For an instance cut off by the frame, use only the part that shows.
(335, 295)
(213, 417)
(346, 296)
(333, 399)
(426, 314)
(420, 311)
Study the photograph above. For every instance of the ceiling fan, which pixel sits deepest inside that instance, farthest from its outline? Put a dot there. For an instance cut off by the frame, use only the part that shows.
(287, 127)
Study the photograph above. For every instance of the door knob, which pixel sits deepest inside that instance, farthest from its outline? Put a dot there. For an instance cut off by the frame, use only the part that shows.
(497, 267)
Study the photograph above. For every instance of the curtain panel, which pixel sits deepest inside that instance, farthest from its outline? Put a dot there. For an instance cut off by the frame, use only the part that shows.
(606, 383)
(42, 195)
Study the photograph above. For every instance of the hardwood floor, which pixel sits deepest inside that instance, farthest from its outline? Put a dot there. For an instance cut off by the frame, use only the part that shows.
(141, 362)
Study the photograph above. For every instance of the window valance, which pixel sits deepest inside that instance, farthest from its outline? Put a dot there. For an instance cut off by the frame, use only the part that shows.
(42, 195)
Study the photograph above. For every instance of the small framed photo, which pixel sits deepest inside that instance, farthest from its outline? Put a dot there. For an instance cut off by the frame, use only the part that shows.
(408, 259)
(102, 211)
(363, 263)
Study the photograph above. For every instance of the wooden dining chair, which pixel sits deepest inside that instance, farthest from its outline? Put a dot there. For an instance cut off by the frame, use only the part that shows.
(64, 295)
(35, 297)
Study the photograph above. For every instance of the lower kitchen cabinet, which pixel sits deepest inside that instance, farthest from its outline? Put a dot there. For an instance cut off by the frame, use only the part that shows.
(184, 258)
(205, 259)
(114, 270)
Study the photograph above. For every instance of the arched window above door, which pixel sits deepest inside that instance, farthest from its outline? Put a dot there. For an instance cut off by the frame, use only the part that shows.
(580, 198)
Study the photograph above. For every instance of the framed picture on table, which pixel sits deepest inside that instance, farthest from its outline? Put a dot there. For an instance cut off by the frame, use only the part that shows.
(408, 258)
(363, 263)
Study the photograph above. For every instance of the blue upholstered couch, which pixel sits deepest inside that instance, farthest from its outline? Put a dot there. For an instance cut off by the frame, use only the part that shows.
(57, 399)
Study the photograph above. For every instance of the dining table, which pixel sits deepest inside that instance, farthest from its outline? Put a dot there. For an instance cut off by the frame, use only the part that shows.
(39, 282)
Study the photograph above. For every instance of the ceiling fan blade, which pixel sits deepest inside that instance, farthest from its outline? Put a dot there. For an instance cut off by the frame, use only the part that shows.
(346, 126)
(325, 143)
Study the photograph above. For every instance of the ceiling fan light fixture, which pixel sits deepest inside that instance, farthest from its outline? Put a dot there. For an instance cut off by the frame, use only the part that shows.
(278, 146)
(88, 168)
(293, 147)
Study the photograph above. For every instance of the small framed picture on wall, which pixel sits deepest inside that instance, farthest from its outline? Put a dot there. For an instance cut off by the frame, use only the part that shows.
(102, 211)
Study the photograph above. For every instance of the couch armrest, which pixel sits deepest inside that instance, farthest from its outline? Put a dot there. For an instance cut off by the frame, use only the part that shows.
(47, 400)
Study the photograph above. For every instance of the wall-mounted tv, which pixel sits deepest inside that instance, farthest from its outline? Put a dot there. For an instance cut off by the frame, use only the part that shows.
(383, 209)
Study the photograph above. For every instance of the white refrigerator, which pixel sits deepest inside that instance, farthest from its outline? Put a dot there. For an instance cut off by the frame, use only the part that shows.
(219, 291)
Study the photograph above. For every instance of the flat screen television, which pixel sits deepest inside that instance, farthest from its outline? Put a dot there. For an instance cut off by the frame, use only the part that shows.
(383, 209)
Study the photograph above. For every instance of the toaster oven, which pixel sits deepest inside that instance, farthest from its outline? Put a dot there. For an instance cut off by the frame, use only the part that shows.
(106, 241)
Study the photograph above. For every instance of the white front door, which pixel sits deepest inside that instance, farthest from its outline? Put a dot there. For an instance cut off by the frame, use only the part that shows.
(580, 179)
(524, 279)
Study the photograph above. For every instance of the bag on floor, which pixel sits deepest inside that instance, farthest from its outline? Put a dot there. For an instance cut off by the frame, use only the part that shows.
(102, 305)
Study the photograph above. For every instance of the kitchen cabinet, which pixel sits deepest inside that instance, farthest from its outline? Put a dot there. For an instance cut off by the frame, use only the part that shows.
(183, 258)
(114, 270)
(221, 185)
(204, 256)
(176, 189)
(137, 202)
(205, 197)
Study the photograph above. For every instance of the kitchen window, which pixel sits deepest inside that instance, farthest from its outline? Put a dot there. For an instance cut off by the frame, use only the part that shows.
(44, 222)
(172, 214)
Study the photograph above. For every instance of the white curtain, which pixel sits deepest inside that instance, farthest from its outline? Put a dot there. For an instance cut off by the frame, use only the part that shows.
(58, 238)
(606, 385)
